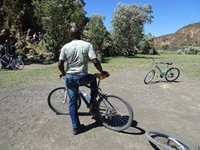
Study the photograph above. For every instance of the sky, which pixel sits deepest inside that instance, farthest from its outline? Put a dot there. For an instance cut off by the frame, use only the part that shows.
(169, 15)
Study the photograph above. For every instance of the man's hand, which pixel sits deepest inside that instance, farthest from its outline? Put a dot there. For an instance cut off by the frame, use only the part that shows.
(105, 73)
(61, 75)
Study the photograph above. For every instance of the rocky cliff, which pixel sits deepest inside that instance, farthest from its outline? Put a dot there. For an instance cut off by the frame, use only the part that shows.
(186, 36)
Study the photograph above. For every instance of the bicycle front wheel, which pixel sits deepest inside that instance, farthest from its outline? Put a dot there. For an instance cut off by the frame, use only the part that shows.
(149, 77)
(58, 101)
(165, 141)
(19, 64)
(115, 113)
(172, 74)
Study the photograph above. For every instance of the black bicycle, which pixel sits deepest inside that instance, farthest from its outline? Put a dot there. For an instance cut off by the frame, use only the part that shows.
(113, 112)
(11, 62)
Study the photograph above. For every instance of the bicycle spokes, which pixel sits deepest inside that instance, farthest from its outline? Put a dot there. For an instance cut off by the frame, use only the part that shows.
(114, 113)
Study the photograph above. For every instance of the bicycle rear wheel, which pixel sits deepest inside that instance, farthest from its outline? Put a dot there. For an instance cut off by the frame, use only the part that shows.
(58, 101)
(1, 65)
(172, 74)
(115, 113)
(149, 77)
(19, 64)
(165, 141)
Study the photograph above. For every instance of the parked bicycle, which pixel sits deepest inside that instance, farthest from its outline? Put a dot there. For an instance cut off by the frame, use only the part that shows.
(169, 73)
(113, 112)
(11, 62)
(165, 141)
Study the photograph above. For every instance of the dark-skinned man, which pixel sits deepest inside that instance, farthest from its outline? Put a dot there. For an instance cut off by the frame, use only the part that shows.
(77, 53)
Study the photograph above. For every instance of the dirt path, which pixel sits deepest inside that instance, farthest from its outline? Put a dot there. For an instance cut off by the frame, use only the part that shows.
(27, 123)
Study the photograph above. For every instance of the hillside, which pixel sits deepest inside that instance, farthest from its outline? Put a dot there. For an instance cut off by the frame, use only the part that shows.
(186, 36)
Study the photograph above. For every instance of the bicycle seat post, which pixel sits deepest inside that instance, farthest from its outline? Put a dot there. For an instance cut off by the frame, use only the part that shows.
(98, 83)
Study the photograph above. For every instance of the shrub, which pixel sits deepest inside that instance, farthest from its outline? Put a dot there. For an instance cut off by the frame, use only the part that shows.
(192, 50)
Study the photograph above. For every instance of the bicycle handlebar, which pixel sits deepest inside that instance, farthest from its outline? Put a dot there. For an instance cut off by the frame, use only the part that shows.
(101, 76)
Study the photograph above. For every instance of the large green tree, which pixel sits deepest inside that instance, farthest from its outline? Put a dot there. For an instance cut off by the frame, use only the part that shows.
(16, 14)
(95, 32)
(128, 26)
(56, 17)
(146, 45)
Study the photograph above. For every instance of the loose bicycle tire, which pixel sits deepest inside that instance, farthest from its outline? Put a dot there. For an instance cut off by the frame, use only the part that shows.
(152, 73)
(109, 113)
(165, 141)
(55, 101)
(170, 76)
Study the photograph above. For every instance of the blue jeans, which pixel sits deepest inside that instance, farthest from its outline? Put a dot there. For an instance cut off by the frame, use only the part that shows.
(73, 82)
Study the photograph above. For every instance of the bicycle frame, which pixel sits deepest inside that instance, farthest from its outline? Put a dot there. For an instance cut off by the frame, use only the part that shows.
(100, 95)
(162, 72)
(1, 59)
(82, 96)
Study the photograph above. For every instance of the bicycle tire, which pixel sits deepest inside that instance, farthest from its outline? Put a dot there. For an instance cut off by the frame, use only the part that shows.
(1, 65)
(110, 113)
(149, 75)
(12, 64)
(170, 76)
(19, 64)
(55, 101)
(164, 141)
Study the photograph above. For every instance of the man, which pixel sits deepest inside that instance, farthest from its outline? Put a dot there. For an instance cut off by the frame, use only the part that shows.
(7, 48)
(7, 52)
(77, 53)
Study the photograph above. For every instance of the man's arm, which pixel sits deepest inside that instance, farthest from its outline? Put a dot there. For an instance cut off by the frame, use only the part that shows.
(61, 67)
(98, 66)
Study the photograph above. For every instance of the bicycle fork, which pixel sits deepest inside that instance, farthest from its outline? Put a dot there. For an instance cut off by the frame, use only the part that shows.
(110, 110)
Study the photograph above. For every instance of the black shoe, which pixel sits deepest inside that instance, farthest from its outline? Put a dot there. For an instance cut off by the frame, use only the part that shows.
(78, 130)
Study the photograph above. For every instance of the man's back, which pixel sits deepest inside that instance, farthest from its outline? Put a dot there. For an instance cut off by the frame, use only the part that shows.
(77, 53)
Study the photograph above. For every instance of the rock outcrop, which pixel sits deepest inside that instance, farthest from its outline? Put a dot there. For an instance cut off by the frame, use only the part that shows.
(186, 36)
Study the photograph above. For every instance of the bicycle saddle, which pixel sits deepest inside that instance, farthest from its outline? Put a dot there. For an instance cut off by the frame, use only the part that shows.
(169, 62)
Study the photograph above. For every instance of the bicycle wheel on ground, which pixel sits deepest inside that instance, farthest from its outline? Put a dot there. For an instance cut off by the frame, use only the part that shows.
(149, 77)
(165, 141)
(172, 74)
(58, 101)
(115, 113)
(12, 64)
(19, 64)
(1, 65)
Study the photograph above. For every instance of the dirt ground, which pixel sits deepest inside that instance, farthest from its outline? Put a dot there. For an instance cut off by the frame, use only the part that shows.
(27, 123)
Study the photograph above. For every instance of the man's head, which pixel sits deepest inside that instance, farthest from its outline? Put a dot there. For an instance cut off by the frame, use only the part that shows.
(74, 33)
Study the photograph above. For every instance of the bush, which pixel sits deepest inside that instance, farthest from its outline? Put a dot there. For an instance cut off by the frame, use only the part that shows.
(192, 50)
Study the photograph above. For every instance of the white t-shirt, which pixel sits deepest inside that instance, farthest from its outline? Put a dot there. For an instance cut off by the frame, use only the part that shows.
(77, 54)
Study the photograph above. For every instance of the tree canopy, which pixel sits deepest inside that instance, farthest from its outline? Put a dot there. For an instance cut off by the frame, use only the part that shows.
(56, 17)
(128, 26)
(95, 31)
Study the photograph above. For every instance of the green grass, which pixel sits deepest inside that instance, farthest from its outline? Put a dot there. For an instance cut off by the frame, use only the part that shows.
(189, 65)
(20, 77)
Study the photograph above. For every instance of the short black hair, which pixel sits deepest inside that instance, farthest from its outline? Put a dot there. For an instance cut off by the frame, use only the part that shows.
(74, 33)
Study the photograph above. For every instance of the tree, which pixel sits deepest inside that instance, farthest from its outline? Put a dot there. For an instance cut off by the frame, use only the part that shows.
(146, 45)
(16, 19)
(128, 26)
(95, 32)
(56, 18)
